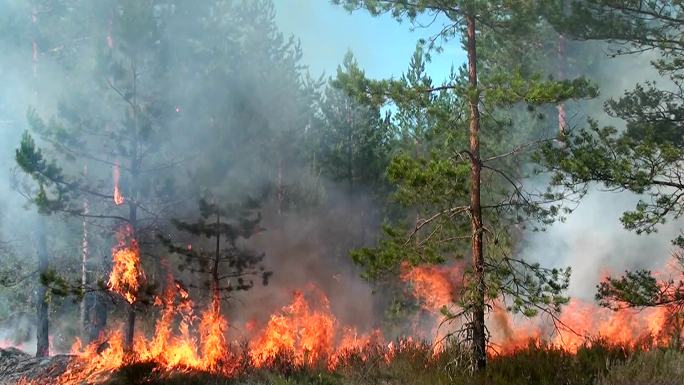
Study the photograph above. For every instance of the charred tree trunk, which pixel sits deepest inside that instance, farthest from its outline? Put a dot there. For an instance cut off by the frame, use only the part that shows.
(133, 194)
(42, 325)
(478, 307)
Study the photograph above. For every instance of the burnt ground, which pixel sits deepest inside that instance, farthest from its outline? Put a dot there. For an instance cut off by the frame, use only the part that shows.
(15, 365)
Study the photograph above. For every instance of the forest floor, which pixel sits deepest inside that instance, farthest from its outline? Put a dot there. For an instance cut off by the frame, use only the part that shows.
(599, 364)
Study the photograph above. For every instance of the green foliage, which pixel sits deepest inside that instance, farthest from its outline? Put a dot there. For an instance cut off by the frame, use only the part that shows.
(353, 140)
(53, 190)
(644, 165)
(432, 168)
(646, 158)
(641, 289)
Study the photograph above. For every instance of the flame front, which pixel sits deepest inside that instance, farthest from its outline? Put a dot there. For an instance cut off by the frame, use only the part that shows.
(305, 333)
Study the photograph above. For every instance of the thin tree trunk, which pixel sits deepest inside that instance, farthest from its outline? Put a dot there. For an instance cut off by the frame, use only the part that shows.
(216, 289)
(280, 188)
(133, 197)
(350, 147)
(85, 302)
(562, 127)
(478, 321)
(42, 330)
(42, 306)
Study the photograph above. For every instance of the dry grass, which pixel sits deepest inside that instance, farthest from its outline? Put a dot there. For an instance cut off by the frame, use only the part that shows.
(598, 364)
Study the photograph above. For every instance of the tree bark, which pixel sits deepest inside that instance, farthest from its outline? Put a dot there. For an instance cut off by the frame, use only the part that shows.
(133, 194)
(86, 301)
(42, 325)
(562, 127)
(216, 289)
(478, 321)
(350, 146)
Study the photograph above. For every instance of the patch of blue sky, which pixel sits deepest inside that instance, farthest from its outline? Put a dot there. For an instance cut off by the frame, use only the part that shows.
(381, 45)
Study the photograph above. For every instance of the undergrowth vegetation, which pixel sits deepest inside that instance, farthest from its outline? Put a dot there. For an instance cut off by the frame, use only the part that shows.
(597, 363)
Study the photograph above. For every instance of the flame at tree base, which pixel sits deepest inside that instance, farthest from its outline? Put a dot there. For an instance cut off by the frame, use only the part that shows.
(305, 334)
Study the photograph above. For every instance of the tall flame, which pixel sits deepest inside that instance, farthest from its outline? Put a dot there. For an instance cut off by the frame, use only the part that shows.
(127, 275)
(298, 331)
(116, 174)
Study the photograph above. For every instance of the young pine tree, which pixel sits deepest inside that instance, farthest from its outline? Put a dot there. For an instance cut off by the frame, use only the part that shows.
(463, 189)
(213, 252)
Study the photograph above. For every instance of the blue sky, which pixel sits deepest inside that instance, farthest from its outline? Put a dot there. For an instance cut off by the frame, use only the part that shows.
(381, 45)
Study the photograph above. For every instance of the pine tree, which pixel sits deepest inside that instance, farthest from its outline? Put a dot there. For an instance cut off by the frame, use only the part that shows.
(646, 157)
(458, 188)
(224, 268)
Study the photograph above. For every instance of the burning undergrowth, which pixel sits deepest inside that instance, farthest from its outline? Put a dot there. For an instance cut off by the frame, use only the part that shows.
(305, 336)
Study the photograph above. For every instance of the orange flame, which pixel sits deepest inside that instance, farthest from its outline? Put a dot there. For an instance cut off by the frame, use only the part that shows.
(434, 286)
(116, 173)
(306, 333)
(127, 275)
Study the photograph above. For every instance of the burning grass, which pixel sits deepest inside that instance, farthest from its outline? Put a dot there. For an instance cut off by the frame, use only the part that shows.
(415, 363)
(305, 343)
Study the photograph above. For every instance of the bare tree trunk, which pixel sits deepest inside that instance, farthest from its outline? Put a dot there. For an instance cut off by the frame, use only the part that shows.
(216, 289)
(85, 302)
(478, 321)
(562, 127)
(133, 195)
(280, 188)
(350, 147)
(42, 323)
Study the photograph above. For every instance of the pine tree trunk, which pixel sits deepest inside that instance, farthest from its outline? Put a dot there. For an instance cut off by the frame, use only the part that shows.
(133, 196)
(86, 301)
(478, 321)
(562, 127)
(280, 188)
(350, 148)
(42, 331)
(216, 289)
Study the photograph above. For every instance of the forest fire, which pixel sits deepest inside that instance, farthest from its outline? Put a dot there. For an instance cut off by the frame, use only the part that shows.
(305, 333)
(433, 286)
(299, 334)
(579, 324)
(127, 275)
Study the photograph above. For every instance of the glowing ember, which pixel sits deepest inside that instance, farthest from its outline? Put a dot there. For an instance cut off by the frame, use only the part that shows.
(118, 197)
